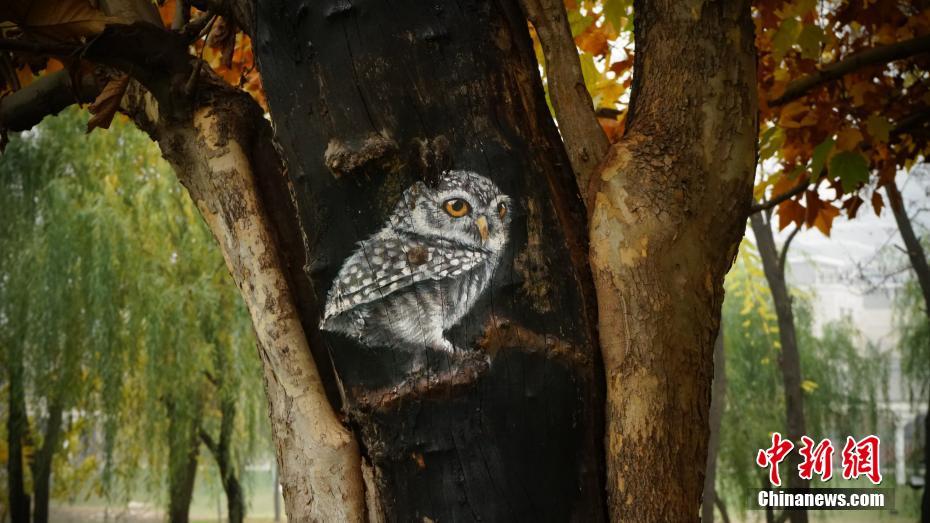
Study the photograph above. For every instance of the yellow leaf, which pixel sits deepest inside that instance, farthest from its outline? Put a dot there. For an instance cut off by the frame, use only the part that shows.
(848, 139)
(808, 386)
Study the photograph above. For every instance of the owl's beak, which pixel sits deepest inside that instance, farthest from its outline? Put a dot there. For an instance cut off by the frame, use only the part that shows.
(482, 223)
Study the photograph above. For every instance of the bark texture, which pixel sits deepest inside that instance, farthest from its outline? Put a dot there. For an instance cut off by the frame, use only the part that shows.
(669, 210)
(585, 141)
(219, 155)
(918, 259)
(790, 358)
(368, 98)
(717, 407)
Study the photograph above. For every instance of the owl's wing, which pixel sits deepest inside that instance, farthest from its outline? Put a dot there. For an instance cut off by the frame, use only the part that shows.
(386, 263)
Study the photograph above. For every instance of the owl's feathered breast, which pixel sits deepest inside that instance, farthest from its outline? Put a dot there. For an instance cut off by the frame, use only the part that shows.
(393, 260)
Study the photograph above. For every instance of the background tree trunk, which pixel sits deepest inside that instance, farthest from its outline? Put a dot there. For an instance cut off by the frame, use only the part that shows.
(790, 359)
(368, 98)
(42, 466)
(717, 406)
(183, 452)
(17, 428)
(918, 259)
(669, 208)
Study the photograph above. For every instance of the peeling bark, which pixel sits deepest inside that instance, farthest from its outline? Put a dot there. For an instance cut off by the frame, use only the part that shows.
(225, 157)
(669, 208)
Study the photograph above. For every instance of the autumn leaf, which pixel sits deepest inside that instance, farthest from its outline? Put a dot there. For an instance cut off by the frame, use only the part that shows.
(593, 40)
(790, 211)
(848, 139)
(57, 20)
(824, 220)
(879, 127)
(877, 203)
(107, 103)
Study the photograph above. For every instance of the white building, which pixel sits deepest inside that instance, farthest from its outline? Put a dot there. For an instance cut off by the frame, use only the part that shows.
(856, 274)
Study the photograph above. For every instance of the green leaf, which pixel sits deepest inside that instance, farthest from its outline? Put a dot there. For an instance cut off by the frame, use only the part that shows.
(615, 11)
(810, 39)
(579, 22)
(820, 157)
(851, 168)
(770, 143)
(786, 35)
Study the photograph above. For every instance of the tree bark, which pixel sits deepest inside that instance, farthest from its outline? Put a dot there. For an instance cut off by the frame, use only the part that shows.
(17, 427)
(225, 156)
(669, 210)
(790, 359)
(42, 466)
(183, 453)
(918, 259)
(717, 407)
(369, 98)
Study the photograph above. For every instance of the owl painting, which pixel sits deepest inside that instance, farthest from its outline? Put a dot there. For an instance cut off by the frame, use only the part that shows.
(411, 281)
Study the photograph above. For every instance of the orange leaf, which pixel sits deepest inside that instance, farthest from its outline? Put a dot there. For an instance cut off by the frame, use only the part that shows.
(848, 139)
(107, 103)
(593, 40)
(790, 211)
(824, 221)
(813, 207)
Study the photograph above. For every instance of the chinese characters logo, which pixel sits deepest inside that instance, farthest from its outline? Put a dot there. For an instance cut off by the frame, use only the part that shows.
(859, 458)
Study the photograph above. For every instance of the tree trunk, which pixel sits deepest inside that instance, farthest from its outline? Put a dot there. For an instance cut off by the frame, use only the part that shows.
(222, 453)
(669, 208)
(790, 359)
(17, 427)
(369, 99)
(42, 466)
(183, 453)
(717, 406)
(918, 259)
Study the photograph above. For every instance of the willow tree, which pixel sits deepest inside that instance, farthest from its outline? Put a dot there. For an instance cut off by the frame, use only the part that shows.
(575, 382)
(122, 323)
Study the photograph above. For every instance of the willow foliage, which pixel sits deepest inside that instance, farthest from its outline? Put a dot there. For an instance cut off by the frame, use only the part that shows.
(841, 376)
(117, 302)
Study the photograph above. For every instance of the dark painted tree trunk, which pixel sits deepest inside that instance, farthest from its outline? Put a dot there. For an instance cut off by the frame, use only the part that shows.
(918, 259)
(369, 99)
(790, 359)
(717, 406)
(42, 466)
(17, 429)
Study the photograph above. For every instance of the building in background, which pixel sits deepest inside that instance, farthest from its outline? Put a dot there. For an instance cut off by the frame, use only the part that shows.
(856, 274)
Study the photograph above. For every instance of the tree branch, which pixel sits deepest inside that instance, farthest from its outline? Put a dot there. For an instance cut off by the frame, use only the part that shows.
(876, 55)
(585, 141)
(787, 195)
(783, 257)
(46, 96)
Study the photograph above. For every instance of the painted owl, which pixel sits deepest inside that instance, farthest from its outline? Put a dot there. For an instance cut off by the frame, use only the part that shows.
(424, 270)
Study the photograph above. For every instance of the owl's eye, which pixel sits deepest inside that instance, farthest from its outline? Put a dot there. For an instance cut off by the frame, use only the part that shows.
(456, 207)
(502, 210)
